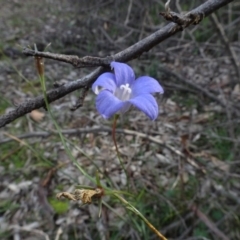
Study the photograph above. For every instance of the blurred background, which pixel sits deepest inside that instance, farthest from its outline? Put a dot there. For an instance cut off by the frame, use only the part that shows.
(184, 167)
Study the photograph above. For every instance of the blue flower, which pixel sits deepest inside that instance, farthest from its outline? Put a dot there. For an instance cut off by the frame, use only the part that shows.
(117, 91)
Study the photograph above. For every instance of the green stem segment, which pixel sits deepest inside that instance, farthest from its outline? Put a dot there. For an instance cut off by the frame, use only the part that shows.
(114, 133)
(116, 116)
(129, 205)
(134, 210)
(40, 69)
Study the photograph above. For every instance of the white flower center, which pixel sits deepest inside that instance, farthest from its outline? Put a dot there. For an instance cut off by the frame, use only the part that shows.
(123, 92)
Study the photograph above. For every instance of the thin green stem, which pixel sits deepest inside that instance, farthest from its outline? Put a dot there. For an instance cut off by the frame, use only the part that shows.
(116, 147)
(134, 210)
(43, 85)
(114, 133)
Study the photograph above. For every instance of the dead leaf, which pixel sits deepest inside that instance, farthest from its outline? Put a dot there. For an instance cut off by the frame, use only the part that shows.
(204, 117)
(217, 163)
(105, 25)
(88, 195)
(85, 195)
(205, 219)
(220, 164)
(67, 195)
(37, 115)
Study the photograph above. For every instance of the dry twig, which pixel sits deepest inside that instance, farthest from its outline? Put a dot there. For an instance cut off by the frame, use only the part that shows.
(209, 223)
(128, 54)
(225, 41)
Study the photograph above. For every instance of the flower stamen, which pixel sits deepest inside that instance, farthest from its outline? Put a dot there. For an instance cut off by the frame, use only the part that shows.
(123, 92)
(119, 90)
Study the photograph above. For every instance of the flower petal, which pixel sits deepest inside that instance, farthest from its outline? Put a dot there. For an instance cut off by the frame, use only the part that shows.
(123, 73)
(144, 85)
(147, 104)
(107, 104)
(106, 81)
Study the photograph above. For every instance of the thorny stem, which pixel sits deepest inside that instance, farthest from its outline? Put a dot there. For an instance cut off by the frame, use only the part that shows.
(133, 209)
(116, 116)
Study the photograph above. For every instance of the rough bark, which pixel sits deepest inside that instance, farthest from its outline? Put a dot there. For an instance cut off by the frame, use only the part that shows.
(126, 55)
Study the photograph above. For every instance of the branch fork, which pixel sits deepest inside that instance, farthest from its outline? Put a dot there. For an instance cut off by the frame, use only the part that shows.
(179, 23)
(182, 20)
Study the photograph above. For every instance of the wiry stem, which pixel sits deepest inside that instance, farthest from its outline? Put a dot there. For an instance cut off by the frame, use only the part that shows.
(116, 146)
(40, 69)
(114, 133)
(133, 209)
